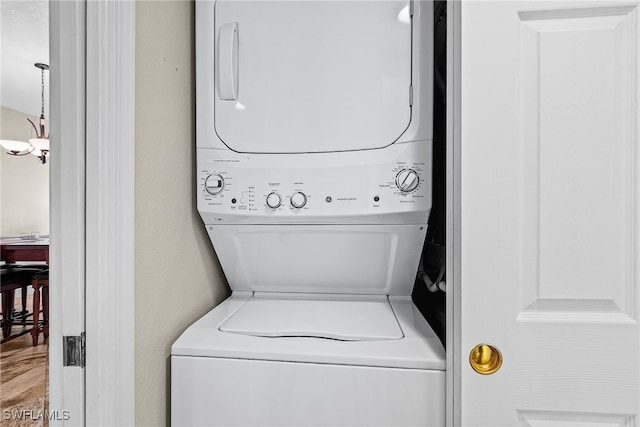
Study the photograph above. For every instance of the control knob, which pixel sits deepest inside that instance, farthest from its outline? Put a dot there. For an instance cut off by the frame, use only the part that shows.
(214, 184)
(407, 180)
(298, 200)
(273, 200)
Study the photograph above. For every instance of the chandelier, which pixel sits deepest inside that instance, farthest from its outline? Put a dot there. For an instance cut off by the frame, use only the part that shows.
(38, 146)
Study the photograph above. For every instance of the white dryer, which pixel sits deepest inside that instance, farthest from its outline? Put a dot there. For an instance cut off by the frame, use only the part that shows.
(314, 184)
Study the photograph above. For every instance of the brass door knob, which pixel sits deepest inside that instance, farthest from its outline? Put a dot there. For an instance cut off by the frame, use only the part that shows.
(485, 359)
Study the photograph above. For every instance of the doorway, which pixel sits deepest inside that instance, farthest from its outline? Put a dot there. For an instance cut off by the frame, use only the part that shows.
(24, 209)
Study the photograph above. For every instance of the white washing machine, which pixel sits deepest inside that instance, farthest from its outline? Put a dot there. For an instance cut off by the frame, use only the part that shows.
(314, 184)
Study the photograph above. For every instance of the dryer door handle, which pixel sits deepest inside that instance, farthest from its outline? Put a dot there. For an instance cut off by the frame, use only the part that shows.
(228, 61)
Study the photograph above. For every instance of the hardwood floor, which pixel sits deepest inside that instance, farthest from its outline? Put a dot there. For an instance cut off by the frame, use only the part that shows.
(24, 384)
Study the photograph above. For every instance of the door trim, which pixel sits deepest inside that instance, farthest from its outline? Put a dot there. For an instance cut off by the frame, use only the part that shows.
(67, 205)
(100, 160)
(453, 236)
(110, 156)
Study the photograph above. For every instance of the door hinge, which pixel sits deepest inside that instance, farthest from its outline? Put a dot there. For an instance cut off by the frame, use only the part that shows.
(410, 95)
(411, 8)
(73, 350)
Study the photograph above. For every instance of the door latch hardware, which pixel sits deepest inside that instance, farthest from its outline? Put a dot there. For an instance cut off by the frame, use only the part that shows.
(485, 359)
(73, 350)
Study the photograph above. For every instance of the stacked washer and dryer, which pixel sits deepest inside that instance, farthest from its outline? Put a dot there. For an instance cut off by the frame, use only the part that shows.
(314, 128)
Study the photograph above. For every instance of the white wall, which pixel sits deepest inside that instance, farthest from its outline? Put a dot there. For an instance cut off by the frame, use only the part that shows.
(178, 278)
(24, 181)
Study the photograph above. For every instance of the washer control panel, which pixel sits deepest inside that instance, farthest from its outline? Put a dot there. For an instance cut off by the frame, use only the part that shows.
(382, 184)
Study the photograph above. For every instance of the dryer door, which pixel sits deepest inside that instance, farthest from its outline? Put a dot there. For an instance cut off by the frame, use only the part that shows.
(311, 76)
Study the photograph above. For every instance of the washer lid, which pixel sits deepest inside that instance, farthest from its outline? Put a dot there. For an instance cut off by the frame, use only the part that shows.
(340, 319)
(311, 76)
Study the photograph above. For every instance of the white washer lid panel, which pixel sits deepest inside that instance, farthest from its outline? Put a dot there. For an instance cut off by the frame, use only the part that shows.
(311, 76)
(420, 348)
(364, 319)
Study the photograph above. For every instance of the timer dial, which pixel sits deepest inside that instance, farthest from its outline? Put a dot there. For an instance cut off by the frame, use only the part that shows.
(407, 180)
(214, 184)
(298, 200)
(274, 200)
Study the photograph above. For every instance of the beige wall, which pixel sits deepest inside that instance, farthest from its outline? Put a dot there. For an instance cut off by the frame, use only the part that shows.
(178, 278)
(24, 181)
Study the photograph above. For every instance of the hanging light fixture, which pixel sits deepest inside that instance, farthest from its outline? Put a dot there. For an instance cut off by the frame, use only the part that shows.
(16, 148)
(38, 146)
(40, 143)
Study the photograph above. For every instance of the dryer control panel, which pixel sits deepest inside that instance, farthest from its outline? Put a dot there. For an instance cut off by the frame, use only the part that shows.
(391, 185)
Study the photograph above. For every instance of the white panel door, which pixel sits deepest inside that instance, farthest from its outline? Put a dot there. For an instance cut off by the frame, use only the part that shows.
(550, 218)
(312, 76)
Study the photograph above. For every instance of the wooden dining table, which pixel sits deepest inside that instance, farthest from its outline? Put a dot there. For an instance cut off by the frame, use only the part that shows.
(16, 249)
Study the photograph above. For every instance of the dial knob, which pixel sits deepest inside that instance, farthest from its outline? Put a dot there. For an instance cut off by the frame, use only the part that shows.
(407, 180)
(273, 200)
(298, 200)
(214, 183)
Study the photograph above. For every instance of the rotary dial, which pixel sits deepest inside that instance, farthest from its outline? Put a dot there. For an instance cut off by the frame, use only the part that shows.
(214, 184)
(298, 200)
(274, 200)
(407, 180)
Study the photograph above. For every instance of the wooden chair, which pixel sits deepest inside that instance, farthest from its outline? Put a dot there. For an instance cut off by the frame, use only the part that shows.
(40, 282)
(15, 277)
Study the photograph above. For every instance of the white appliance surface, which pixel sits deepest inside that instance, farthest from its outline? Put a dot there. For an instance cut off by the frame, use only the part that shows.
(234, 392)
(314, 183)
(312, 76)
(230, 379)
(338, 259)
(355, 318)
(387, 186)
(420, 348)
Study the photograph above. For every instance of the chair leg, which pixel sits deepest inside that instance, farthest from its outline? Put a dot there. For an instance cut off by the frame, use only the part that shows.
(24, 312)
(36, 312)
(45, 310)
(7, 312)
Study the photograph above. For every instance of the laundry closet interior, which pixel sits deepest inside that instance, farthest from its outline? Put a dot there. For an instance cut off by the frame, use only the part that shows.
(427, 213)
(320, 136)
